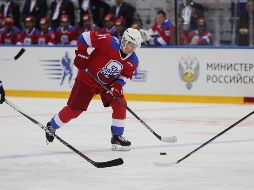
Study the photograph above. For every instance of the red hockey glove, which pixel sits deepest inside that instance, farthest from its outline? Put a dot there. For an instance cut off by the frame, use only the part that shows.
(116, 89)
(81, 59)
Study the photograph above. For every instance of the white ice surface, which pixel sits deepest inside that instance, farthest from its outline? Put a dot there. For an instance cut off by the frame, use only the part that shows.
(27, 163)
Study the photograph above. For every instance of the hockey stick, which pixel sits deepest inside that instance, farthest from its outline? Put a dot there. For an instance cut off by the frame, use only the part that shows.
(207, 142)
(171, 139)
(110, 163)
(21, 51)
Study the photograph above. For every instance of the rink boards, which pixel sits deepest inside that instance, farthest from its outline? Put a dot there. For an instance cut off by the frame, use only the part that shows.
(212, 75)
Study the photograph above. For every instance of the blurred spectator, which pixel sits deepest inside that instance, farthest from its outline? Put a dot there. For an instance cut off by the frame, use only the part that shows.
(9, 34)
(125, 10)
(66, 33)
(59, 8)
(136, 25)
(1, 20)
(47, 35)
(200, 36)
(30, 34)
(35, 8)
(190, 12)
(120, 27)
(109, 25)
(246, 25)
(87, 24)
(162, 30)
(182, 35)
(11, 10)
(145, 34)
(98, 9)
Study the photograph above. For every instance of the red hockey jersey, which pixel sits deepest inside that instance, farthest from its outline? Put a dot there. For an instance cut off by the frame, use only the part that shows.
(46, 38)
(194, 38)
(105, 61)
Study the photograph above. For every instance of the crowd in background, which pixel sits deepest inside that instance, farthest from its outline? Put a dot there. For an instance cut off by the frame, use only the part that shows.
(43, 23)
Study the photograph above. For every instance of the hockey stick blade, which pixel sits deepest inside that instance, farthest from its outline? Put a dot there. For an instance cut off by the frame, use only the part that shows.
(110, 163)
(164, 163)
(172, 139)
(206, 143)
(19, 53)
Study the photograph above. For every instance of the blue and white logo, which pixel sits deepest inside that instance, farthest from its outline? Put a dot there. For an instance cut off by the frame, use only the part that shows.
(59, 69)
(139, 75)
(110, 71)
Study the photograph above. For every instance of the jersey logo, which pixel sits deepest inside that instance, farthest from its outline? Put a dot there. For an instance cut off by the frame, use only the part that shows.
(42, 41)
(64, 39)
(7, 40)
(27, 41)
(101, 36)
(110, 71)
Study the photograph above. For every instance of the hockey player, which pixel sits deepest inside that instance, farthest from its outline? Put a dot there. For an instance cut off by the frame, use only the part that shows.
(66, 33)
(30, 33)
(112, 62)
(200, 36)
(87, 24)
(2, 93)
(120, 27)
(162, 30)
(46, 35)
(1, 20)
(10, 34)
(109, 25)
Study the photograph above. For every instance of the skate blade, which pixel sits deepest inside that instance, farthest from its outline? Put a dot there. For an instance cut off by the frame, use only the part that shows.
(116, 147)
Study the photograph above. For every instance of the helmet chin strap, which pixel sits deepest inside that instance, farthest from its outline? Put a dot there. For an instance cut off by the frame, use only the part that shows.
(123, 55)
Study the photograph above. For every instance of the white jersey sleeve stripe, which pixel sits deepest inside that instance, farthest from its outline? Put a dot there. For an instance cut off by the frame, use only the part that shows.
(87, 38)
(161, 41)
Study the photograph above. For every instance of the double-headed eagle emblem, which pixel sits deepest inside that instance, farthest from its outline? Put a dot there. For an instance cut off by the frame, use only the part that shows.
(189, 70)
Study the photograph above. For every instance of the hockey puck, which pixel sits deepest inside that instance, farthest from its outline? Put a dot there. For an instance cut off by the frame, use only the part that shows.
(21, 51)
(163, 153)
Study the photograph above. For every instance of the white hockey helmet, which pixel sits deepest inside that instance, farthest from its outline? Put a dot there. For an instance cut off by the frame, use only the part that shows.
(133, 36)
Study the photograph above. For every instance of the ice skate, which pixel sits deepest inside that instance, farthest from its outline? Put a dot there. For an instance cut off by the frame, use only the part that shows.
(119, 143)
(50, 132)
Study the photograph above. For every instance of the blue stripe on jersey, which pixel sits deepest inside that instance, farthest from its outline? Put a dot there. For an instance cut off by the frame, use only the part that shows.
(117, 130)
(115, 44)
(133, 58)
(167, 24)
(121, 82)
(82, 40)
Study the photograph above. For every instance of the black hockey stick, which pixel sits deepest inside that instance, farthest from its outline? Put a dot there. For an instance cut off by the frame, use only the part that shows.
(21, 51)
(171, 139)
(110, 163)
(207, 142)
